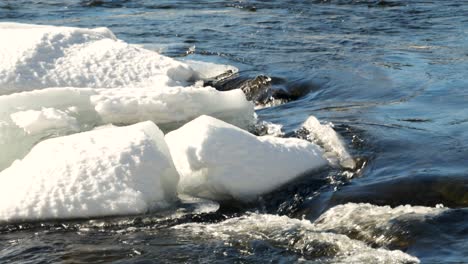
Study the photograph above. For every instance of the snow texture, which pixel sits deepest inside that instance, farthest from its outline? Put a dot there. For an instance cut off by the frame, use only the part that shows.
(56, 81)
(110, 171)
(35, 56)
(219, 161)
(29, 117)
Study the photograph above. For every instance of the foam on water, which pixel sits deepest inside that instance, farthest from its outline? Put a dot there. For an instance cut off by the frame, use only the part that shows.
(298, 236)
(373, 224)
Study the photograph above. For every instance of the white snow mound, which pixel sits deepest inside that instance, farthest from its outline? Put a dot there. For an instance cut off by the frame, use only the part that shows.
(36, 56)
(29, 117)
(219, 161)
(110, 171)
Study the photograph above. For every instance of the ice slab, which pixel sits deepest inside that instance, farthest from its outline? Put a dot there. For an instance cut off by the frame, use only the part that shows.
(110, 171)
(219, 161)
(28, 117)
(36, 56)
(210, 70)
(326, 137)
(281, 233)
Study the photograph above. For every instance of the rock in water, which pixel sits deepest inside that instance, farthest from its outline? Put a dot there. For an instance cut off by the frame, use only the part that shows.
(219, 161)
(110, 171)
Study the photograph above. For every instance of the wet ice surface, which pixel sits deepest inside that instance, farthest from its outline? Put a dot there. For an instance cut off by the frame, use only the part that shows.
(390, 76)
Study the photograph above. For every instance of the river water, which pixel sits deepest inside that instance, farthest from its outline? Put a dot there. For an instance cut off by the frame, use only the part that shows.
(390, 75)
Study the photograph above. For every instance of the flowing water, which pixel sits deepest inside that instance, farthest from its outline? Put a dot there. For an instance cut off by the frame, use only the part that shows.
(390, 75)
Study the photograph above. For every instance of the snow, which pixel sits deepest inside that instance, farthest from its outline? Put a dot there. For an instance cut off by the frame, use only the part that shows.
(55, 81)
(37, 121)
(29, 117)
(173, 105)
(110, 171)
(36, 57)
(219, 161)
(325, 136)
(80, 119)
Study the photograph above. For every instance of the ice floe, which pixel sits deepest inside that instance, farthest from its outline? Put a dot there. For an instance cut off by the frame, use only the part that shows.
(56, 83)
(326, 136)
(110, 171)
(220, 161)
(35, 57)
(29, 117)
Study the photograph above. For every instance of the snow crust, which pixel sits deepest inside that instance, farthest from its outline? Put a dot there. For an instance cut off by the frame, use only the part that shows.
(110, 171)
(37, 121)
(35, 57)
(219, 161)
(298, 236)
(56, 83)
(29, 117)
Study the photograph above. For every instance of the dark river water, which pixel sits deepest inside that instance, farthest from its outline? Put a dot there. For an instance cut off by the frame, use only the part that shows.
(392, 76)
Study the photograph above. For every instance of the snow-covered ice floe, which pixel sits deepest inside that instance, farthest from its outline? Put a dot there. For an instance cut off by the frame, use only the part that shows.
(219, 161)
(39, 56)
(56, 81)
(28, 117)
(36, 56)
(293, 235)
(109, 171)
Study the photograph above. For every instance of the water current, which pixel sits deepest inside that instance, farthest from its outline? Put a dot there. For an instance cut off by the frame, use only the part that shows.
(390, 75)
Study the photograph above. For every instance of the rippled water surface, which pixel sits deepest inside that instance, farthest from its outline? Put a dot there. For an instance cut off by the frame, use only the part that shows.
(390, 75)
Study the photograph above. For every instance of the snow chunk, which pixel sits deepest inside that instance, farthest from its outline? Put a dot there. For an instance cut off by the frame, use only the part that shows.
(325, 136)
(35, 57)
(110, 171)
(173, 106)
(219, 161)
(37, 121)
(28, 117)
(297, 236)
